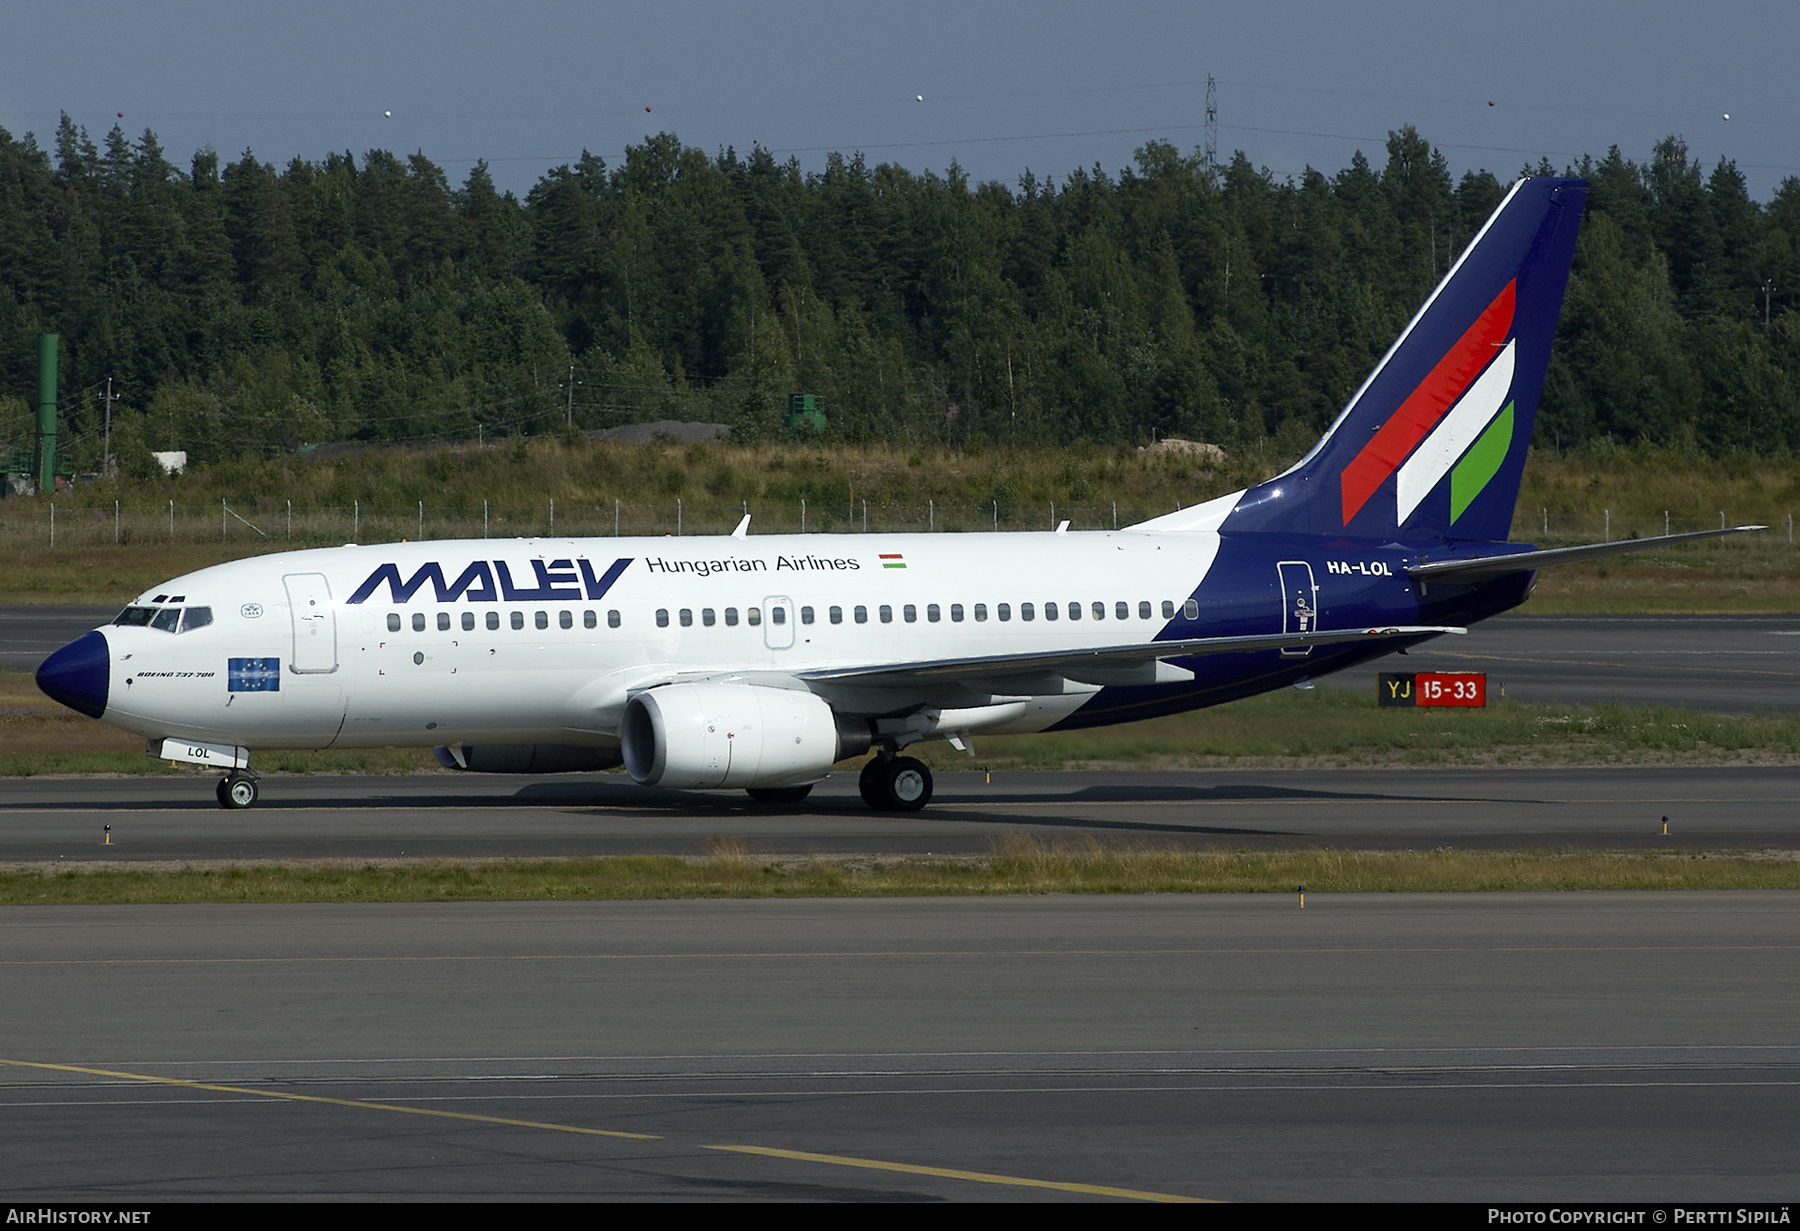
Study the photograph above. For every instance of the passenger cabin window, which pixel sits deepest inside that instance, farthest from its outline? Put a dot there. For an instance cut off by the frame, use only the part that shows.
(1026, 612)
(687, 617)
(393, 621)
(418, 621)
(468, 621)
(518, 619)
(910, 613)
(980, 613)
(1004, 611)
(862, 615)
(753, 615)
(837, 615)
(932, 613)
(1144, 610)
(806, 615)
(1074, 611)
(730, 617)
(1168, 610)
(1050, 612)
(443, 621)
(1100, 611)
(541, 619)
(708, 616)
(493, 620)
(956, 613)
(589, 620)
(612, 618)
(662, 617)
(1191, 609)
(778, 615)
(886, 613)
(565, 619)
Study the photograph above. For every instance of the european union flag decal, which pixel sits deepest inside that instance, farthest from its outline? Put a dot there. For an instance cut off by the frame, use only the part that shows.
(254, 675)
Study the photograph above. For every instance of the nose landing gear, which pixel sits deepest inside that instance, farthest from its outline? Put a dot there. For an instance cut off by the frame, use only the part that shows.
(895, 784)
(238, 790)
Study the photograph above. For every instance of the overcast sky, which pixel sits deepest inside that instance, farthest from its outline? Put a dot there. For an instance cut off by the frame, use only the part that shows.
(1006, 86)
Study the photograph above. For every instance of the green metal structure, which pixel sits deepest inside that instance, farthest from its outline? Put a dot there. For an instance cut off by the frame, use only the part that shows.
(803, 411)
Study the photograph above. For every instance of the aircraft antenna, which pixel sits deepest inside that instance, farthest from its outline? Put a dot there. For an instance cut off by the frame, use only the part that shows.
(1212, 124)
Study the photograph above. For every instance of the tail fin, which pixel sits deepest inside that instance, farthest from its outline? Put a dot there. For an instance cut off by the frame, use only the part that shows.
(1433, 443)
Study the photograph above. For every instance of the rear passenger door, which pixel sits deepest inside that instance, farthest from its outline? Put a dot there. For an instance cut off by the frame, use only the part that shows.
(1299, 603)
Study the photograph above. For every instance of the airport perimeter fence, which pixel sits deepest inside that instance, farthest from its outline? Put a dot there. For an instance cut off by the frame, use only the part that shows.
(277, 525)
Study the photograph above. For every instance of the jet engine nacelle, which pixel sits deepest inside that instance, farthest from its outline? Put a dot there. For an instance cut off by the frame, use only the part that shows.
(734, 735)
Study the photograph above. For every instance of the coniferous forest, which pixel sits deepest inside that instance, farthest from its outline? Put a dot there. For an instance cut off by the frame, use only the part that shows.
(243, 308)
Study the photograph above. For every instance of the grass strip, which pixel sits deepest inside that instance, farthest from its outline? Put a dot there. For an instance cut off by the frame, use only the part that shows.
(1018, 864)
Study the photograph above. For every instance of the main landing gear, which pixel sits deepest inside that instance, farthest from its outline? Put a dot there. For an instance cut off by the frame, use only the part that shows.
(238, 790)
(895, 784)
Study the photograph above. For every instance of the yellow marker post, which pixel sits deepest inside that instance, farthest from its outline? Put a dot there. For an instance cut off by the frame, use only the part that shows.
(1302, 892)
(1665, 825)
(108, 841)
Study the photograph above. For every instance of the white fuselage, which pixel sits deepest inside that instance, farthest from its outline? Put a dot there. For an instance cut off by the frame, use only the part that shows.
(535, 646)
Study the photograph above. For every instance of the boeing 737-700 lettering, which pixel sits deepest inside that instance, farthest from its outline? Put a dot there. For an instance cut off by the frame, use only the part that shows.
(761, 662)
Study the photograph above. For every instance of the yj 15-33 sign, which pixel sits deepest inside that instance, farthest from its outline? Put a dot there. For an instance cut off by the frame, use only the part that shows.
(1466, 688)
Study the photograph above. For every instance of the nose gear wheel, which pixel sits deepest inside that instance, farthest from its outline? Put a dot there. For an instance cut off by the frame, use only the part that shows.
(237, 791)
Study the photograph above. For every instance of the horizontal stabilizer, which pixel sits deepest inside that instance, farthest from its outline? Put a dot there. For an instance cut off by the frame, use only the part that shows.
(1486, 568)
(1080, 663)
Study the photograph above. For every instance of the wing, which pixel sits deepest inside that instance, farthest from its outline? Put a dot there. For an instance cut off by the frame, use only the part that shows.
(1129, 664)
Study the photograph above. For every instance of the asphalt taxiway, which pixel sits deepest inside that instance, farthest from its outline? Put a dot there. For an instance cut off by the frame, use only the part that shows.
(1466, 1047)
(485, 816)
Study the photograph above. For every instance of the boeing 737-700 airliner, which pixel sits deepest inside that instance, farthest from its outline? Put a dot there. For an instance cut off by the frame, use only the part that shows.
(759, 662)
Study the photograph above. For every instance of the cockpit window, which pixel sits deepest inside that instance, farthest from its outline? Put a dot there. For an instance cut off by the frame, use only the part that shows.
(166, 619)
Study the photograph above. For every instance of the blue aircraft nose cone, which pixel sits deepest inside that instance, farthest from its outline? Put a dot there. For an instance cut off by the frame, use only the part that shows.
(77, 675)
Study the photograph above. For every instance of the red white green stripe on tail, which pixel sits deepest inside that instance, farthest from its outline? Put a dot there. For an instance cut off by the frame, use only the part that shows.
(1432, 446)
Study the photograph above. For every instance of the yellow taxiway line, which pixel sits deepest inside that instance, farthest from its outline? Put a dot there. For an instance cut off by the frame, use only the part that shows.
(979, 1177)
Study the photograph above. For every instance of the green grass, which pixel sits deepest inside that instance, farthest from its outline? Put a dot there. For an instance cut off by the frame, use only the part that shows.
(506, 490)
(1018, 864)
(1329, 726)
